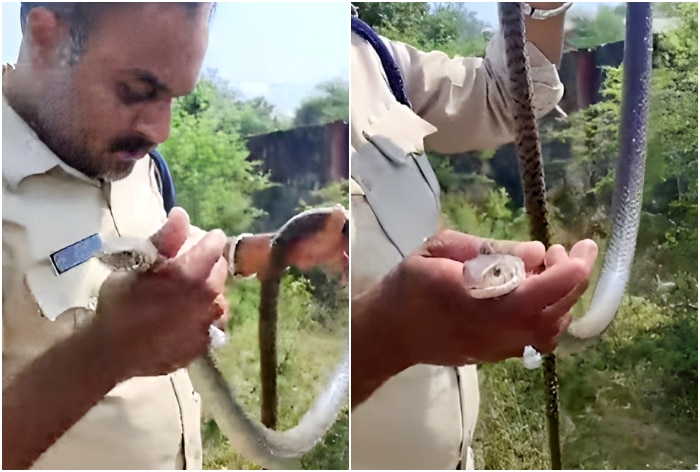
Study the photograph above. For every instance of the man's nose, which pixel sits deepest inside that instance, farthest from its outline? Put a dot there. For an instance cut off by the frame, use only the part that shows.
(154, 121)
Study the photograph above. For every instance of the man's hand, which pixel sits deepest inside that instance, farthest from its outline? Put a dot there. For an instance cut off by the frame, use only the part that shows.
(422, 313)
(547, 35)
(146, 324)
(158, 321)
(327, 248)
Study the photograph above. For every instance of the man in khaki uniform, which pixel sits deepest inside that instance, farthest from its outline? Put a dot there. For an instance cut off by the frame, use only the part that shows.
(89, 97)
(410, 312)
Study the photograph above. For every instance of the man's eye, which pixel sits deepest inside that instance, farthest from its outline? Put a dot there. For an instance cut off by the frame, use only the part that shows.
(129, 95)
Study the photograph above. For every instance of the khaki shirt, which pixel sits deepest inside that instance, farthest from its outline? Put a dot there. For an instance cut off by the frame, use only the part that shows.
(144, 422)
(423, 418)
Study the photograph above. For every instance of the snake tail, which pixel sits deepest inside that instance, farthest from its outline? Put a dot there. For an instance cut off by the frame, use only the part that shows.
(267, 339)
(551, 383)
(529, 152)
(629, 180)
(527, 141)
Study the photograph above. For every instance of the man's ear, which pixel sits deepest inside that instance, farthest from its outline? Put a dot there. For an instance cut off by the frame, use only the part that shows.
(49, 39)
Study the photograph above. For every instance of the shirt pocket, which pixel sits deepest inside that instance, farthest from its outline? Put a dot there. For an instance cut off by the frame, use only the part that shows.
(52, 215)
(396, 177)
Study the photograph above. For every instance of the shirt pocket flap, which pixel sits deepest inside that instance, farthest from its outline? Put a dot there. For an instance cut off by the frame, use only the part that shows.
(398, 133)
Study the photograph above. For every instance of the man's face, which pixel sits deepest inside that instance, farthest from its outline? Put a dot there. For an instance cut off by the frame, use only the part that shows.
(109, 109)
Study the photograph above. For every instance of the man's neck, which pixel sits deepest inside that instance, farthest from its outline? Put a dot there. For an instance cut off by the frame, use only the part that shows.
(18, 94)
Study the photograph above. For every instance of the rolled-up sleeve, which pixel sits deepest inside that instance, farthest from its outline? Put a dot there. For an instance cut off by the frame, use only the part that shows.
(467, 98)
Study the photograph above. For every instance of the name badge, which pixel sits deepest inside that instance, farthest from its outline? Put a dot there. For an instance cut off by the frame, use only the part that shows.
(75, 254)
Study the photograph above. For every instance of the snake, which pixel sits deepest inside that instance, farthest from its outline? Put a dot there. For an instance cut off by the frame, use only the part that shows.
(494, 275)
(627, 192)
(254, 440)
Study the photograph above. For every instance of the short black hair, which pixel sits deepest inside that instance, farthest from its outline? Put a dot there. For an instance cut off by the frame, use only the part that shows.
(80, 16)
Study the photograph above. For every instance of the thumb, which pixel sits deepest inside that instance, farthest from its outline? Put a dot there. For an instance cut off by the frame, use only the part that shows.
(453, 245)
(170, 238)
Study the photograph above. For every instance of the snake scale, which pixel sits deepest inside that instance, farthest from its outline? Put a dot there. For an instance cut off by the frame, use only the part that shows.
(254, 440)
(627, 194)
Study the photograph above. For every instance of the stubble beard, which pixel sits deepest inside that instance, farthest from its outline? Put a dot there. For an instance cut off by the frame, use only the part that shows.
(54, 127)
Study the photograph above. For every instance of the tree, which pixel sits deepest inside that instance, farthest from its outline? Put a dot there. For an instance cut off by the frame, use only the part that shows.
(448, 27)
(674, 110)
(329, 103)
(395, 20)
(606, 26)
(671, 180)
(207, 156)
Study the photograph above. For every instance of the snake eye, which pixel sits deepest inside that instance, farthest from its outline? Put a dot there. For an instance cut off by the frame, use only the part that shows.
(497, 271)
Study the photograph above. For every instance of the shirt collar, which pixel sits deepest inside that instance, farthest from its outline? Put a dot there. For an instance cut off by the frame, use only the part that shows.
(23, 153)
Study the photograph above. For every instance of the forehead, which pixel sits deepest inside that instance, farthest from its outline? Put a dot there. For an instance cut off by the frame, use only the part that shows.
(167, 40)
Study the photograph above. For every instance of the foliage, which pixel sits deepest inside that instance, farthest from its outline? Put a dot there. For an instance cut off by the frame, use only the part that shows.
(629, 402)
(607, 25)
(593, 136)
(330, 103)
(671, 164)
(673, 108)
(233, 114)
(331, 194)
(448, 27)
(491, 218)
(208, 159)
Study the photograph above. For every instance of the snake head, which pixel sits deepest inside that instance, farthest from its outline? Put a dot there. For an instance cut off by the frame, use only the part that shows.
(493, 275)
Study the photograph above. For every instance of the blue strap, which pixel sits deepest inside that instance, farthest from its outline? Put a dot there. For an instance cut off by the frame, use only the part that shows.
(391, 68)
(165, 182)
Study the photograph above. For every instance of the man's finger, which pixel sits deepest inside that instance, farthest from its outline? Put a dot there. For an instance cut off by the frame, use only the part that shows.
(217, 278)
(564, 305)
(170, 238)
(532, 253)
(453, 245)
(460, 247)
(586, 250)
(553, 284)
(199, 261)
(555, 254)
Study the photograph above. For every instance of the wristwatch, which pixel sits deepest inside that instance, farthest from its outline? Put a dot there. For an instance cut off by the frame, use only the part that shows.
(536, 14)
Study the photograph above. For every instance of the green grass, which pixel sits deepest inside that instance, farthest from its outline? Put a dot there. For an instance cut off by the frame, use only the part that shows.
(629, 402)
(307, 352)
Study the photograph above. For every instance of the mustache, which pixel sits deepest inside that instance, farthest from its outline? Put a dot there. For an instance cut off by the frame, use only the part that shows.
(132, 144)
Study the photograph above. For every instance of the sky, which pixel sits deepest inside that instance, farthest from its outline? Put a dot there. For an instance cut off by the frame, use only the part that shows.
(278, 50)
